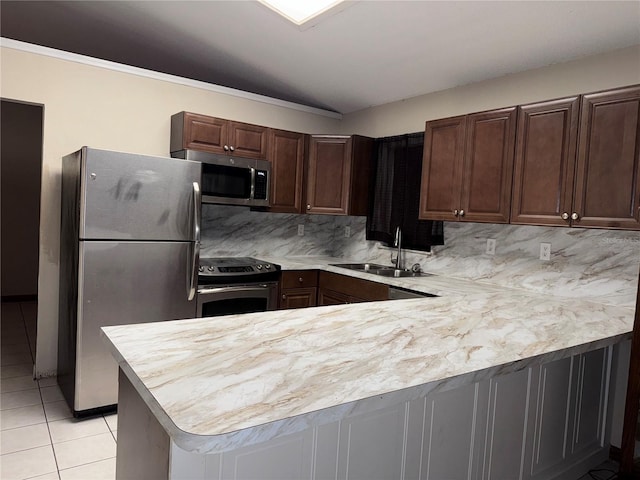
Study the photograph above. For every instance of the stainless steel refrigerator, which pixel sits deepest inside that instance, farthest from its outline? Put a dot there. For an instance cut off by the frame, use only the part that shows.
(129, 247)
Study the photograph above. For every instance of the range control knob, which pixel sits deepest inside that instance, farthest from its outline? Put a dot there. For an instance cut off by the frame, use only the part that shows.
(267, 266)
(259, 267)
(201, 269)
(211, 269)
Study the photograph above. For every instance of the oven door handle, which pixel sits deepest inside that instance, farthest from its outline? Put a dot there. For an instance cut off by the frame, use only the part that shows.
(254, 288)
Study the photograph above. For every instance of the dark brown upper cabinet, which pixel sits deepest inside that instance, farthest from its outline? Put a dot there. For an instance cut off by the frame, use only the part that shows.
(580, 176)
(607, 181)
(338, 174)
(287, 156)
(545, 162)
(216, 135)
(467, 167)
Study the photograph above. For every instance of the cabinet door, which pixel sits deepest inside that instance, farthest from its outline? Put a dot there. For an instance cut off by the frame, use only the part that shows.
(488, 166)
(298, 298)
(440, 189)
(248, 140)
(608, 167)
(286, 153)
(545, 162)
(205, 133)
(330, 297)
(329, 175)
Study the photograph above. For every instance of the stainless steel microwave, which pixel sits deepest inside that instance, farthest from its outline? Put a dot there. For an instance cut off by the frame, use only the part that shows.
(231, 180)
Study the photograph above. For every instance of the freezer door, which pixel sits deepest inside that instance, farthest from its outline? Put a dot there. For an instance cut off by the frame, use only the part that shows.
(137, 197)
(122, 283)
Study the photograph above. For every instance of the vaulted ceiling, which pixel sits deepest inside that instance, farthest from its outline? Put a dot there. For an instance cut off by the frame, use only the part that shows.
(364, 53)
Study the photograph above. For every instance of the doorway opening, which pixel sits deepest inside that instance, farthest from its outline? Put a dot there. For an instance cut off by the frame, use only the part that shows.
(21, 133)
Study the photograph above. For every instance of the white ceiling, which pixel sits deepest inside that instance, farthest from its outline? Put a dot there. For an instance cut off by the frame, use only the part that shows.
(369, 53)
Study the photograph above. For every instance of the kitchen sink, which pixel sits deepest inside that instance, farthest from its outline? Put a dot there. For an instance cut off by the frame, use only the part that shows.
(399, 273)
(362, 266)
(382, 270)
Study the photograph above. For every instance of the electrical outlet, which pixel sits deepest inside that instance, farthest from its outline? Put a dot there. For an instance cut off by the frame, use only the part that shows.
(347, 231)
(545, 251)
(301, 230)
(491, 246)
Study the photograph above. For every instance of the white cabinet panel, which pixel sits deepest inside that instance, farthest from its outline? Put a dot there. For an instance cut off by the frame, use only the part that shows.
(287, 458)
(591, 400)
(552, 417)
(507, 426)
(449, 430)
(371, 445)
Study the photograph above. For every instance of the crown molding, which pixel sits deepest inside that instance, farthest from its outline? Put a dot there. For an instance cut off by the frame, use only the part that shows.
(165, 77)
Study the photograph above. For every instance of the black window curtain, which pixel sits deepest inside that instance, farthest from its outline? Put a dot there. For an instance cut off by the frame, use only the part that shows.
(395, 194)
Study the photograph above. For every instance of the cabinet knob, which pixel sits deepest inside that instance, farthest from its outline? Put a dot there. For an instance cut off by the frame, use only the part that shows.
(300, 280)
(226, 148)
(308, 207)
(455, 212)
(284, 297)
(565, 216)
(462, 213)
(575, 216)
(232, 148)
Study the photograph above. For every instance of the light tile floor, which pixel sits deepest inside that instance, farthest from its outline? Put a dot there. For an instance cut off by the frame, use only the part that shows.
(39, 438)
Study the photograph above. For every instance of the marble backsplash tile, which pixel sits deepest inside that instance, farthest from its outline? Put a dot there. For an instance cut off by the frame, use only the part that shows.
(232, 230)
(585, 263)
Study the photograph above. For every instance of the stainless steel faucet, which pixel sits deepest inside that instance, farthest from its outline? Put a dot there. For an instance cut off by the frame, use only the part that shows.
(398, 243)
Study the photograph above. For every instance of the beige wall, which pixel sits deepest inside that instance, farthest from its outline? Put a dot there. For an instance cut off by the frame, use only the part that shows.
(618, 68)
(89, 105)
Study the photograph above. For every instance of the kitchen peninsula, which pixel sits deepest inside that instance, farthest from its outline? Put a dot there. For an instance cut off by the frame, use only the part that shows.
(447, 387)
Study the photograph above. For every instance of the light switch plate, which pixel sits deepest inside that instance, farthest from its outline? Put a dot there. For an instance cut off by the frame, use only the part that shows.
(301, 230)
(347, 231)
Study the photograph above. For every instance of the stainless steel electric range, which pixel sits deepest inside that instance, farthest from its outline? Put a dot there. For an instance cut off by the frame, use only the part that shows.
(229, 285)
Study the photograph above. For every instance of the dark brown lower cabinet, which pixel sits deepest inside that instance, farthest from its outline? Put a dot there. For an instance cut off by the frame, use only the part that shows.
(298, 289)
(336, 289)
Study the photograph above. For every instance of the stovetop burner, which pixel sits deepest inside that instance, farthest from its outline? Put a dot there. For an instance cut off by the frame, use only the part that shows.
(234, 269)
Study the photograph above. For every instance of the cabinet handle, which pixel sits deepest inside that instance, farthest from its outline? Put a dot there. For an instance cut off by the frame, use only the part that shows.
(300, 280)
(565, 216)
(575, 216)
(462, 213)
(226, 148)
(232, 148)
(308, 207)
(455, 212)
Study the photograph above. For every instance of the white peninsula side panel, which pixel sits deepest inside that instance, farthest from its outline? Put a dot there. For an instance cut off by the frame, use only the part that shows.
(544, 422)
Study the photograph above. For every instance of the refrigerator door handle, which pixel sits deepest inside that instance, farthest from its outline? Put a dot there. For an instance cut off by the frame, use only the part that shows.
(193, 274)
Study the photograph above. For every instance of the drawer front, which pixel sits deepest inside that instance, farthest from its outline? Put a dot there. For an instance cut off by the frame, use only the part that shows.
(299, 279)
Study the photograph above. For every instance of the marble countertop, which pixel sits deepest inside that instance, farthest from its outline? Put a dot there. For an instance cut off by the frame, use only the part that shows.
(219, 383)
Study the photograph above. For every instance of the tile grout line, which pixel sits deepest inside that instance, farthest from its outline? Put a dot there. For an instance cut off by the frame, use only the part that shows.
(46, 419)
(26, 332)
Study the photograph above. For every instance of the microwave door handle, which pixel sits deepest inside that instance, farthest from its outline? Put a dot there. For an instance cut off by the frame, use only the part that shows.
(253, 183)
(195, 258)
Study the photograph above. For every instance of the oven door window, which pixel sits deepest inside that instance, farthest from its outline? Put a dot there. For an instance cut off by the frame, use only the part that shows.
(226, 181)
(230, 306)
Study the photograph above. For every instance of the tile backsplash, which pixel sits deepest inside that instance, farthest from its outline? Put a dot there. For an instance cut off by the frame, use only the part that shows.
(588, 263)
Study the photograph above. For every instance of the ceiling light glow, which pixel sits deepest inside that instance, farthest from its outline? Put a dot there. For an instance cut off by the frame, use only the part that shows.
(298, 11)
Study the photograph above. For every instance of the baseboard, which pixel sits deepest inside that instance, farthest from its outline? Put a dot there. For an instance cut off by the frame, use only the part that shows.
(19, 298)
